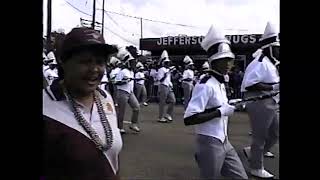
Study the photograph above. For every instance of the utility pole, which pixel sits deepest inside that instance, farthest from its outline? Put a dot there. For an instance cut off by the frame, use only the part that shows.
(94, 14)
(141, 33)
(48, 24)
(102, 17)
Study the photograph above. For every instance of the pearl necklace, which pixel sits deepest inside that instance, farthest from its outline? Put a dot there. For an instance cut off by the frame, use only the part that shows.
(88, 128)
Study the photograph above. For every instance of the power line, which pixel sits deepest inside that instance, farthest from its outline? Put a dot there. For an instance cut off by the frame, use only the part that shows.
(115, 22)
(78, 9)
(104, 26)
(120, 36)
(184, 25)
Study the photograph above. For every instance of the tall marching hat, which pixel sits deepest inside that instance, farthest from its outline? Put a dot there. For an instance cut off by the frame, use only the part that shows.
(187, 60)
(270, 36)
(164, 57)
(205, 65)
(216, 45)
(124, 56)
(44, 57)
(139, 66)
(114, 61)
(51, 57)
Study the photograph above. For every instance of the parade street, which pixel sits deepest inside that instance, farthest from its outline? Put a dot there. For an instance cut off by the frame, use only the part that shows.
(166, 150)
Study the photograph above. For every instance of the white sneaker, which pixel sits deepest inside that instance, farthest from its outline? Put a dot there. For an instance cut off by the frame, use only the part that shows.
(168, 117)
(145, 104)
(163, 120)
(261, 173)
(269, 154)
(134, 127)
(122, 131)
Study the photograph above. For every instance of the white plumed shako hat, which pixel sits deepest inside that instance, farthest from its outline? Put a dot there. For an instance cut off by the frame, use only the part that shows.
(205, 65)
(270, 36)
(187, 60)
(114, 61)
(124, 55)
(164, 57)
(216, 45)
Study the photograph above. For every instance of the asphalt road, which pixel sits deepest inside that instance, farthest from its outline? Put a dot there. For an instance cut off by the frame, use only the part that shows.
(165, 151)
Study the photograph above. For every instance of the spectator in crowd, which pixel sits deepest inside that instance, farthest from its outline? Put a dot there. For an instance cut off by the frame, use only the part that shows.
(237, 80)
(176, 82)
(81, 137)
(155, 83)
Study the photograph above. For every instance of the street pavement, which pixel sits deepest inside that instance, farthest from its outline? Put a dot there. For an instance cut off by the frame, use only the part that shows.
(166, 150)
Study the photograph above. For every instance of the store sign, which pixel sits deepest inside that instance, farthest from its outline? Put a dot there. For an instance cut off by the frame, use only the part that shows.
(244, 39)
(194, 40)
(180, 40)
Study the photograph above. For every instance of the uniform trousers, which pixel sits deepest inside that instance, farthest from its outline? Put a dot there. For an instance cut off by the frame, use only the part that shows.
(166, 95)
(124, 98)
(216, 158)
(264, 118)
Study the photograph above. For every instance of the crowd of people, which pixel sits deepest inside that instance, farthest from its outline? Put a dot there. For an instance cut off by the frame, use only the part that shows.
(86, 92)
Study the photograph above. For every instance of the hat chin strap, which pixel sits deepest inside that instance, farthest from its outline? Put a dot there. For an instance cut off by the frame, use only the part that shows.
(276, 62)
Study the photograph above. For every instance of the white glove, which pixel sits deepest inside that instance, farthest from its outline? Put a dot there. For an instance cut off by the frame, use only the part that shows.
(276, 87)
(226, 110)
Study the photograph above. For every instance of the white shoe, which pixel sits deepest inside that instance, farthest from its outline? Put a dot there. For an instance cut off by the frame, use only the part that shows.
(145, 104)
(134, 127)
(163, 120)
(261, 173)
(122, 131)
(168, 117)
(269, 154)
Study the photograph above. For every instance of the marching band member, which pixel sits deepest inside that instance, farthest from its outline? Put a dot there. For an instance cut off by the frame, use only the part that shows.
(166, 93)
(187, 79)
(125, 84)
(51, 72)
(262, 77)
(115, 65)
(141, 92)
(209, 110)
(205, 68)
(104, 81)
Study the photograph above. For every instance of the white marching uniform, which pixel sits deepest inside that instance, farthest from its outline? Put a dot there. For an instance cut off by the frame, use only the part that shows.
(104, 82)
(126, 95)
(166, 93)
(50, 75)
(263, 114)
(187, 86)
(141, 92)
(215, 155)
(113, 75)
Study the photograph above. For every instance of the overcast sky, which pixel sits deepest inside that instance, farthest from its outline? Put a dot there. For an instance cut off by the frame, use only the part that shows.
(235, 16)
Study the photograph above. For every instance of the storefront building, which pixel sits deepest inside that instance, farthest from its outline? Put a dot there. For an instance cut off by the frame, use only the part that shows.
(178, 46)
